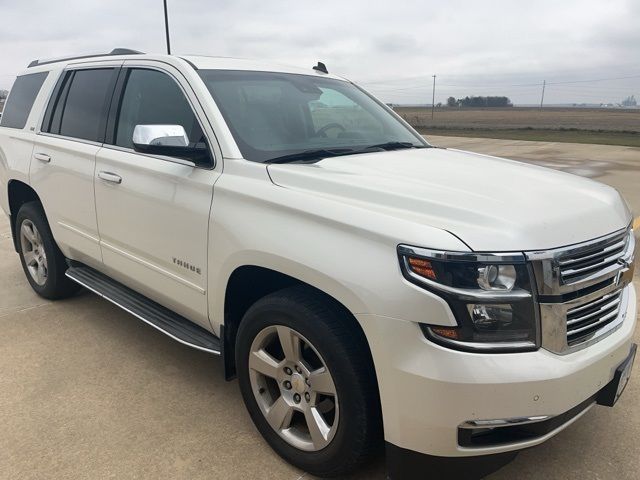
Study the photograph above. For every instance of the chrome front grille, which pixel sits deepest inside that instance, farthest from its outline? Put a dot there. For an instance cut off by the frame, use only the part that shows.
(584, 320)
(582, 290)
(577, 265)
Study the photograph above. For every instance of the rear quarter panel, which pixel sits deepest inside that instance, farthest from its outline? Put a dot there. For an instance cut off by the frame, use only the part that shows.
(16, 145)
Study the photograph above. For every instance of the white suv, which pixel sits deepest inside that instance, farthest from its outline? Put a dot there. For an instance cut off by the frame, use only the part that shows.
(366, 288)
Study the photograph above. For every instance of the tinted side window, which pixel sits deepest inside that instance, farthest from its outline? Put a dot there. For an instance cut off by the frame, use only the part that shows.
(83, 113)
(23, 94)
(154, 98)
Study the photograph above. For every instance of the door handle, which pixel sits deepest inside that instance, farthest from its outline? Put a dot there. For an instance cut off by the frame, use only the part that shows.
(43, 157)
(110, 177)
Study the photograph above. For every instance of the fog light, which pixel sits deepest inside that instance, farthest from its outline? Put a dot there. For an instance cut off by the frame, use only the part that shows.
(491, 317)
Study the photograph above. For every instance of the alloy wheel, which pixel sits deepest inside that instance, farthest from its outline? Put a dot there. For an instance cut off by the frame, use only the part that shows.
(294, 388)
(33, 252)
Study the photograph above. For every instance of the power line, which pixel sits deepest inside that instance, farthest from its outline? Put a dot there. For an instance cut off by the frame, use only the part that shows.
(595, 80)
(418, 87)
(591, 88)
(538, 84)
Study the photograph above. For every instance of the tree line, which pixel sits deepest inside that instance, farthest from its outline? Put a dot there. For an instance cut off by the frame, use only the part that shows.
(479, 102)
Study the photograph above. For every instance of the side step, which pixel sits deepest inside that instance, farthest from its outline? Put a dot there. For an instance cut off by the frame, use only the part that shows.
(159, 317)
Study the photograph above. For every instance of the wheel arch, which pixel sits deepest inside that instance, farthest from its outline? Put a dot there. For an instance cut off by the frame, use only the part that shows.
(18, 194)
(246, 285)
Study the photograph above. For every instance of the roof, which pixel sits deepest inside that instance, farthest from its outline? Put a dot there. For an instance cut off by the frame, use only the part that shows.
(197, 61)
(228, 63)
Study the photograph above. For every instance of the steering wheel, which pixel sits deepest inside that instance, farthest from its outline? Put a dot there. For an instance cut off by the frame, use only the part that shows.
(323, 131)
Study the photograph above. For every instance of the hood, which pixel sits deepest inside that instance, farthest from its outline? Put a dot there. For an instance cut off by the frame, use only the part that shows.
(491, 204)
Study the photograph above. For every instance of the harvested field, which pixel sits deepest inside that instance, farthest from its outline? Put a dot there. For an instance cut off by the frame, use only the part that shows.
(576, 125)
(600, 137)
(616, 119)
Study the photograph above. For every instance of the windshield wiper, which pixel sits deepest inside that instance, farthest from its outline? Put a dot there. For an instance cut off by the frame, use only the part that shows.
(393, 146)
(320, 153)
(312, 154)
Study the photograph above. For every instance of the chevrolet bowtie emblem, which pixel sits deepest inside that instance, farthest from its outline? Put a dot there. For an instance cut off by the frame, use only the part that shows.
(625, 275)
(624, 262)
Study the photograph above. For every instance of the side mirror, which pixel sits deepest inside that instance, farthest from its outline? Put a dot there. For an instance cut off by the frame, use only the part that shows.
(170, 141)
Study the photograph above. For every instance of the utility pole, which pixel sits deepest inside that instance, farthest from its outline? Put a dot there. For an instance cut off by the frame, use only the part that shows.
(544, 84)
(433, 97)
(166, 27)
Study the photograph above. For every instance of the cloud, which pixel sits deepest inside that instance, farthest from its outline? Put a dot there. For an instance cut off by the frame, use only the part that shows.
(394, 47)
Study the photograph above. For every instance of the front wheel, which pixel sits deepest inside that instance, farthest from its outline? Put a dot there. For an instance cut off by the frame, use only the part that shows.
(308, 382)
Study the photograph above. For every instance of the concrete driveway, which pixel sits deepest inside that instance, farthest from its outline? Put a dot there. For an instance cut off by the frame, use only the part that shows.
(89, 392)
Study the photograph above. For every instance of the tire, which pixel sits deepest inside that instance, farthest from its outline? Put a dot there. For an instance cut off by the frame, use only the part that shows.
(42, 261)
(331, 342)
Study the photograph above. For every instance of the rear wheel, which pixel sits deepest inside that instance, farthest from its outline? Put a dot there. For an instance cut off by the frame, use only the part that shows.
(307, 379)
(42, 261)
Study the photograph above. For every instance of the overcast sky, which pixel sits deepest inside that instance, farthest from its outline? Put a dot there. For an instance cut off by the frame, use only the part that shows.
(391, 47)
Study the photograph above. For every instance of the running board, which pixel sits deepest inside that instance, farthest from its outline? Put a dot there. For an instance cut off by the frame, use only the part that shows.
(159, 317)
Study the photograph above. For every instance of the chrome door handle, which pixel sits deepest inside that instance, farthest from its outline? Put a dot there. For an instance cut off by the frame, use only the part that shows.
(43, 157)
(110, 177)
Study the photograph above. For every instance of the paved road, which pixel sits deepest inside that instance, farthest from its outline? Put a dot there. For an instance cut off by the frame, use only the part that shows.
(87, 391)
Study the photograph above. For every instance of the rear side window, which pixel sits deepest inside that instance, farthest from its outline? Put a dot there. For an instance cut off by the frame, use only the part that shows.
(23, 94)
(79, 109)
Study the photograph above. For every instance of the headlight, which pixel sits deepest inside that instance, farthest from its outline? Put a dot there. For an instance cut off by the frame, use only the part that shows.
(491, 296)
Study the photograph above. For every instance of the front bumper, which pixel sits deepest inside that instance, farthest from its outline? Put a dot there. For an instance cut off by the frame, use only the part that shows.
(406, 464)
(428, 391)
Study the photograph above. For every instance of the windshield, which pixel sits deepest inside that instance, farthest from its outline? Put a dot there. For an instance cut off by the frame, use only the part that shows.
(279, 117)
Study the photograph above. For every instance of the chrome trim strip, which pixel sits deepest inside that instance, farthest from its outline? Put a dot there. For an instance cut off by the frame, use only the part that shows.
(504, 422)
(106, 297)
(592, 304)
(607, 317)
(70, 139)
(605, 260)
(153, 267)
(78, 231)
(179, 161)
(481, 257)
(533, 441)
(571, 261)
(580, 301)
(601, 309)
(476, 347)
(578, 247)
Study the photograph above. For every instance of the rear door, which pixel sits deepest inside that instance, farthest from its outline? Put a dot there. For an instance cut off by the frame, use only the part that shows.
(63, 165)
(153, 211)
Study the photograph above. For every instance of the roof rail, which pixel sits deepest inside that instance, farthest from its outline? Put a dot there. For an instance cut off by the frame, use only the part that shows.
(115, 51)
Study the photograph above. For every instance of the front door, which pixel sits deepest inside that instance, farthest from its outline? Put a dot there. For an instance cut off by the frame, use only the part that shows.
(153, 211)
